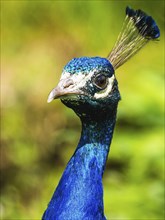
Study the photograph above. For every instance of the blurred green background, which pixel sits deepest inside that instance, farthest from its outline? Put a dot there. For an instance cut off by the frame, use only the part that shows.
(37, 39)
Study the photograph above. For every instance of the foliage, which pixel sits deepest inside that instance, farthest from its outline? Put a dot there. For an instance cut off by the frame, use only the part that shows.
(38, 38)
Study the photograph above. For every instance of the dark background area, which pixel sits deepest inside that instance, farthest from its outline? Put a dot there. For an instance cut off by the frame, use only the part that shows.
(37, 39)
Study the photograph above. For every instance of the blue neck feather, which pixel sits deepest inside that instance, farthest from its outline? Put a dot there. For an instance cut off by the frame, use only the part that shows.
(79, 194)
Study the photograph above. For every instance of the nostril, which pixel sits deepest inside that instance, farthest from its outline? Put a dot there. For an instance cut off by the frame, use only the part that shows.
(68, 83)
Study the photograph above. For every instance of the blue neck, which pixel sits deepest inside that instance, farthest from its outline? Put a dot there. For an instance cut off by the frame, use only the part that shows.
(79, 194)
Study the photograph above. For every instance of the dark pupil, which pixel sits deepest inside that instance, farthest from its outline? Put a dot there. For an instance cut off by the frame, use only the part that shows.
(101, 81)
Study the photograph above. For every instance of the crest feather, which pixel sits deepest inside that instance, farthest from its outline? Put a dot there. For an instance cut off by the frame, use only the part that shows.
(138, 29)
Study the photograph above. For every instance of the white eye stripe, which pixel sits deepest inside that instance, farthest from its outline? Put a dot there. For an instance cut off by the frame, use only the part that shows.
(107, 90)
(80, 81)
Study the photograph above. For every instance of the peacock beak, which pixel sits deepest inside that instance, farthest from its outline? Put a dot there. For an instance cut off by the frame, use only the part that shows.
(64, 88)
(54, 94)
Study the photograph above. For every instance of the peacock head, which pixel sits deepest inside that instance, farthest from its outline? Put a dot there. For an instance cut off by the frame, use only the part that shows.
(88, 85)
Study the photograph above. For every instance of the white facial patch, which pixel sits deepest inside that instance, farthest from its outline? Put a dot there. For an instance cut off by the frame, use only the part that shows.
(78, 79)
(107, 90)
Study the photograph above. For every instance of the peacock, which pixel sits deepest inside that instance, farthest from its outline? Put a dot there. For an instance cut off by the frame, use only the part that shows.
(88, 86)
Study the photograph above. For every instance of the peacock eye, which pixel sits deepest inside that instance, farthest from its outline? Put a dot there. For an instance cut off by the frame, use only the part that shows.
(101, 81)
